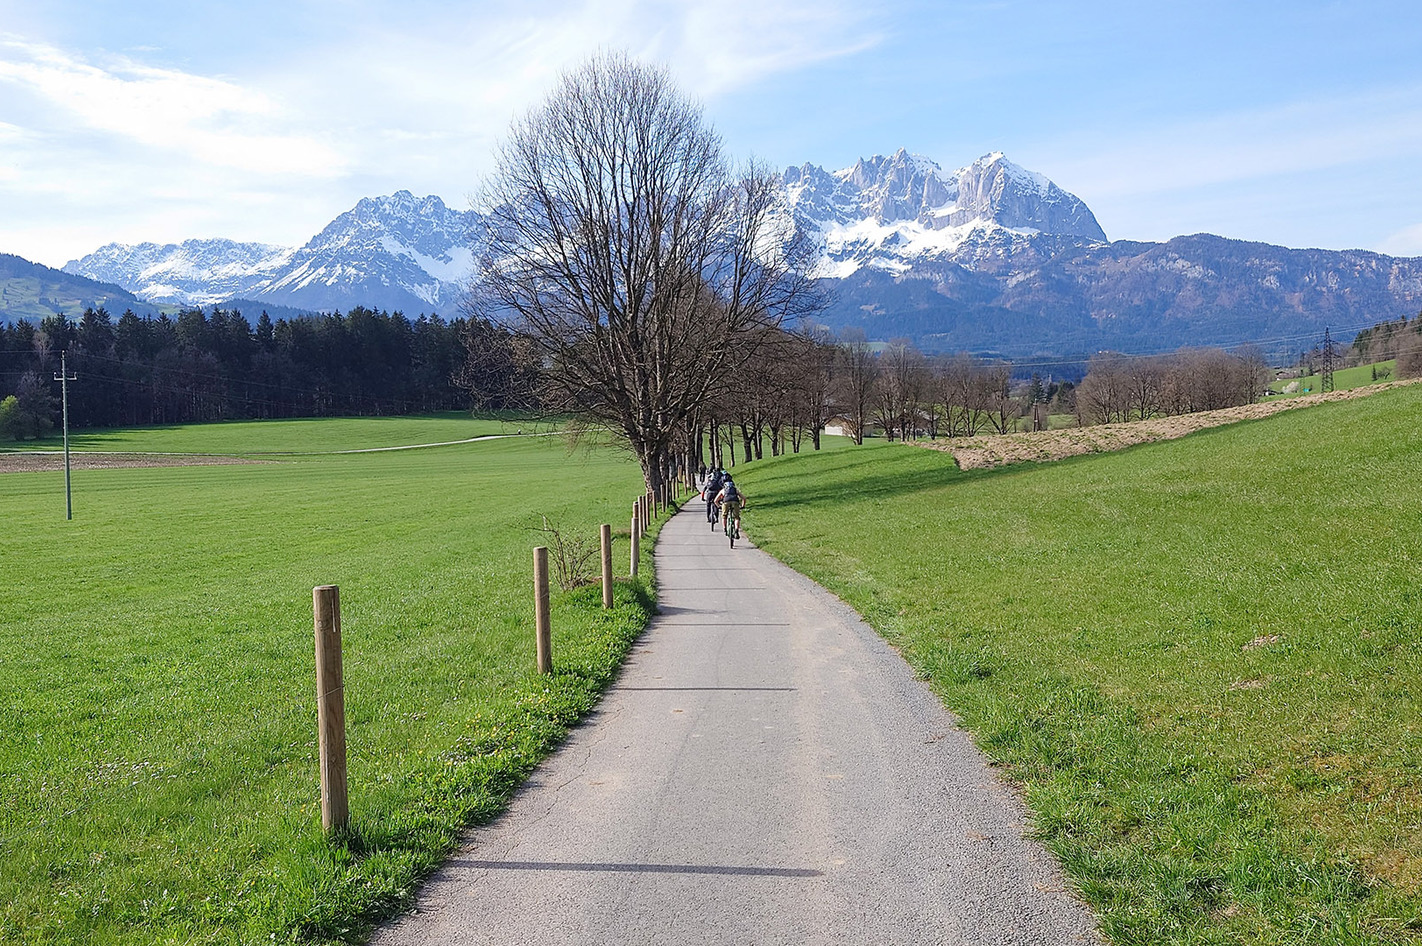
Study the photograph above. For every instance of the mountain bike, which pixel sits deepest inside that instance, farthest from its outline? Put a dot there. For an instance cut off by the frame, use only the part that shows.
(732, 518)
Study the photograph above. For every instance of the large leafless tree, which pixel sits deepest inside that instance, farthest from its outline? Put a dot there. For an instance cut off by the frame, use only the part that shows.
(636, 262)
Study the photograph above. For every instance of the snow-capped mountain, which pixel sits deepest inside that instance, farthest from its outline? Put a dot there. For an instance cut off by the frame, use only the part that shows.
(892, 213)
(194, 272)
(397, 252)
(990, 256)
(993, 256)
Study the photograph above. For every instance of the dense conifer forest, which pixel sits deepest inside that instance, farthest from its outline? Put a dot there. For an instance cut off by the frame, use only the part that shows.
(216, 365)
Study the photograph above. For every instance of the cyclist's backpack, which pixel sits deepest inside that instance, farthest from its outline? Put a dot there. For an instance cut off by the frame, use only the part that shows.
(714, 485)
(733, 495)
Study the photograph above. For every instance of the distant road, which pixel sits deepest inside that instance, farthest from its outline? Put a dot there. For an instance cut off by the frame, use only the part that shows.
(766, 771)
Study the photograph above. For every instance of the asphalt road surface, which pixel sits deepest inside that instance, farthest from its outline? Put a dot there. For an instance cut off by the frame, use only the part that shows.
(765, 771)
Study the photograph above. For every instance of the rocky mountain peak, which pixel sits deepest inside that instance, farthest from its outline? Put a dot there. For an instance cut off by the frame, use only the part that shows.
(890, 212)
(993, 188)
(902, 186)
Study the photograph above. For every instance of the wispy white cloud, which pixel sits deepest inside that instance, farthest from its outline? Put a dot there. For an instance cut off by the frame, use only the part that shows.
(471, 76)
(1315, 172)
(130, 146)
(211, 120)
(1405, 242)
(1244, 145)
(427, 105)
(730, 45)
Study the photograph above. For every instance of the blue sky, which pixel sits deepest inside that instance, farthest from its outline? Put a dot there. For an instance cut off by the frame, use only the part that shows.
(1296, 123)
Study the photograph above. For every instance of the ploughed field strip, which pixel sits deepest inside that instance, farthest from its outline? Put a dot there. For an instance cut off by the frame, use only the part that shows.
(766, 770)
(51, 462)
(991, 450)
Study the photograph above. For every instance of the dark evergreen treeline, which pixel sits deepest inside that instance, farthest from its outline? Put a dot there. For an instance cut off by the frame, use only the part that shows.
(206, 366)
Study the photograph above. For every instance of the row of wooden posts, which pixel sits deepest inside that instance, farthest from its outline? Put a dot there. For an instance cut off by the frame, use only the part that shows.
(330, 692)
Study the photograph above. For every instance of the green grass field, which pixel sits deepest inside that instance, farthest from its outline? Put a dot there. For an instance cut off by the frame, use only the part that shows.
(157, 723)
(1344, 379)
(1199, 658)
(298, 436)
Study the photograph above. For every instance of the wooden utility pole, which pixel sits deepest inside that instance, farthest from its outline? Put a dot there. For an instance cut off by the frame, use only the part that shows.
(64, 377)
(543, 632)
(330, 708)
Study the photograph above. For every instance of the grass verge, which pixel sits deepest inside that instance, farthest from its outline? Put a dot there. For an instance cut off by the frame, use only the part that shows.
(157, 740)
(1200, 659)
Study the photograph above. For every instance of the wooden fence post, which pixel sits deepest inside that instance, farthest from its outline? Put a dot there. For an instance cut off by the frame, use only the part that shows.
(636, 542)
(606, 565)
(330, 708)
(543, 632)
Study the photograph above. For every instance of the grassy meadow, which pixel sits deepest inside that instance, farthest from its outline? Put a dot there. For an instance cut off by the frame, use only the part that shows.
(1201, 659)
(1344, 379)
(157, 717)
(303, 435)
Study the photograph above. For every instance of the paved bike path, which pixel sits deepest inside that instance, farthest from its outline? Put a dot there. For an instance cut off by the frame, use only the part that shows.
(766, 770)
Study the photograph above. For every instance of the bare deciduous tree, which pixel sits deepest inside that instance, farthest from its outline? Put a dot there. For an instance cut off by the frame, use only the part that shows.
(631, 257)
(1104, 394)
(858, 378)
(901, 386)
(1409, 353)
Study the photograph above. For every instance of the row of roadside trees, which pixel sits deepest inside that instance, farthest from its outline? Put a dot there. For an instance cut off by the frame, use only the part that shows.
(647, 283)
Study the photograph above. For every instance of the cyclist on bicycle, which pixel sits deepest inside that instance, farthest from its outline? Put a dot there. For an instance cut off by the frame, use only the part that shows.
(715, 479)
(731, 502)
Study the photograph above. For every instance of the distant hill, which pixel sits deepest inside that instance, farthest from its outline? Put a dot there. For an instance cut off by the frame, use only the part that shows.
(34, 291)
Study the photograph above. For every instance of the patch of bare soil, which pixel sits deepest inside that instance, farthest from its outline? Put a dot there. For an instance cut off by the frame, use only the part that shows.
(45, 462)
(974, 453)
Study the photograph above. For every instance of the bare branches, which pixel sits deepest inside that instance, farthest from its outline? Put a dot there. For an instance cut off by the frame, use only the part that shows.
(572, 556)
(631, 258)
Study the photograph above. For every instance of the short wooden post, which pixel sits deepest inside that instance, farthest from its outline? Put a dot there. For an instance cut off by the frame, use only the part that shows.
(543, 632)
(330, 708)
(636, 542)
(606, 565)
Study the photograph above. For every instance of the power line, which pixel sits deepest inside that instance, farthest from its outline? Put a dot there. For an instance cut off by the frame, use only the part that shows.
(1328, 360)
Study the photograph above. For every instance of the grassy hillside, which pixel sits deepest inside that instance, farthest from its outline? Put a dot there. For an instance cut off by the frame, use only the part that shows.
(32, 291)
(1343, 379)
(157, 723)
(1200, 658)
